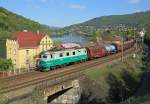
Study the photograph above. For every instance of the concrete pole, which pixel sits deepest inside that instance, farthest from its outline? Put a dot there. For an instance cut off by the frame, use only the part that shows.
(142, 44)
(122, 50)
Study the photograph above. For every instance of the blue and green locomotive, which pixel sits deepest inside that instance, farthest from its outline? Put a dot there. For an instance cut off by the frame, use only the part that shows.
(52, 59)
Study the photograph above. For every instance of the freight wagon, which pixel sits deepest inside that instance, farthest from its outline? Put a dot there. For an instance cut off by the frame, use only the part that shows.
(95, 52)
(52, 59)
(110, 48)
(125, 45)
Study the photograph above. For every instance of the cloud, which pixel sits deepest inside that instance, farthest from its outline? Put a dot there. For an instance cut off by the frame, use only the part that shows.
(135, 1)
(77, 6)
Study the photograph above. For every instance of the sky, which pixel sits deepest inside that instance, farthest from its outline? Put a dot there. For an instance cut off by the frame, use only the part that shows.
(62, 13)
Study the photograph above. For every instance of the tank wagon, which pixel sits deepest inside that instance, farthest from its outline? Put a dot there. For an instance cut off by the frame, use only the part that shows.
(110, 48)
(52, 59)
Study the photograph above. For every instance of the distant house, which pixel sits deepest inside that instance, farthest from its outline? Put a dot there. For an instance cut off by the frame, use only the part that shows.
(22, 48)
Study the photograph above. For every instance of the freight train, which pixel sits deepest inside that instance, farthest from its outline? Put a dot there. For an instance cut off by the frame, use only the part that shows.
(57, 58)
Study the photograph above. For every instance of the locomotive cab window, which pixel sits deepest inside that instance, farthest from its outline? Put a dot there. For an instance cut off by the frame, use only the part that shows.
(45, 56)
(51, 56)
(67, 53)
(73, 53)
(61, 55)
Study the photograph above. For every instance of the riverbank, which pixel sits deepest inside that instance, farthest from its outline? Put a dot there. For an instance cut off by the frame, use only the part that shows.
(111, 83)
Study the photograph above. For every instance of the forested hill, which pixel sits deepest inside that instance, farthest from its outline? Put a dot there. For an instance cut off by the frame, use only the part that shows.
(11, 22)
(128, 19)
(113, 22)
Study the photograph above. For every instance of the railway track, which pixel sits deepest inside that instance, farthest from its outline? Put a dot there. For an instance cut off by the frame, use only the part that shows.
(25, 80)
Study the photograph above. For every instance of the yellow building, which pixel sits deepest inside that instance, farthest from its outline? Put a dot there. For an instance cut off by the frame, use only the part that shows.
(23, 48)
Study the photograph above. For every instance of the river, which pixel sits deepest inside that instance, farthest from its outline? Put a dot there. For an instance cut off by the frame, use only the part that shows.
(71, 38)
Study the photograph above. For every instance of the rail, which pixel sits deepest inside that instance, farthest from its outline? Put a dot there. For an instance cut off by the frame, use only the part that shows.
(53, 75)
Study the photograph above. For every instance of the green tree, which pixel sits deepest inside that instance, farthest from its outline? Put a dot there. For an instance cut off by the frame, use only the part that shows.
(6, 65)
(97, 36)
(130, 33)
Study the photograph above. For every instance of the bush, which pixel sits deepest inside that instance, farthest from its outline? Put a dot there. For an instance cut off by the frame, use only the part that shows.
(6, 65)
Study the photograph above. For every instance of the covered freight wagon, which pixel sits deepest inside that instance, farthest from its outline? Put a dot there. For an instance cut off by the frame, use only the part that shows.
(95, 51)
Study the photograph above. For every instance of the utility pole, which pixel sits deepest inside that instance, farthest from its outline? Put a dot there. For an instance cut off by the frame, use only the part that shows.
(124, 32)
(135, 38)
(122, 43)
(142, 33)
(122, 49)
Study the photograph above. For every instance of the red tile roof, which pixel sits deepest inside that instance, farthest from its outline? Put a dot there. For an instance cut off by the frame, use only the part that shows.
(29, 39)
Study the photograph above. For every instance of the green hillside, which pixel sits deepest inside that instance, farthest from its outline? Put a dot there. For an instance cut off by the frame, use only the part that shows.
(11, 22)
(128, 19)
(113, 22)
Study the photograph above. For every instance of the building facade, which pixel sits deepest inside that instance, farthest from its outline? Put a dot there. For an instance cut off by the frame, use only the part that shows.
(23, 48)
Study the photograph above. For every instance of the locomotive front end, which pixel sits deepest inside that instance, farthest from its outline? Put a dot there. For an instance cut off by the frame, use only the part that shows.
(43, 63)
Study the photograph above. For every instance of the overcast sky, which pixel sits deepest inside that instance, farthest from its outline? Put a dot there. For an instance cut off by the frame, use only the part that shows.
(66, 12)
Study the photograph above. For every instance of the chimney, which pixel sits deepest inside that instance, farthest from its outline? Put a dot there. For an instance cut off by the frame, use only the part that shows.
(38, 32)
(25, 30)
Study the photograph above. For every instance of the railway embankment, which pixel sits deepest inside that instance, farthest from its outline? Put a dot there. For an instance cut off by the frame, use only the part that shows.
(142, 94)
(112, 83)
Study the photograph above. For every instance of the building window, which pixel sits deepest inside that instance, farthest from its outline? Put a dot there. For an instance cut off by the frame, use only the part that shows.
(46, 44)
(49, 43)
(42, 45)
(27, 52)
(10, 51)
(14, 61)
(14, 51)
(27, 61)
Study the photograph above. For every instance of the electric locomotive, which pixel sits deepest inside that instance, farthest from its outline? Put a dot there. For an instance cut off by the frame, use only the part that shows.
(53, 59)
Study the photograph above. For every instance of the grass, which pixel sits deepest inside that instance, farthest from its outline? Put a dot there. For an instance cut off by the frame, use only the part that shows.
(122, 75)
(131, 65)
(138, 100)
